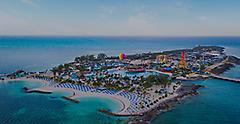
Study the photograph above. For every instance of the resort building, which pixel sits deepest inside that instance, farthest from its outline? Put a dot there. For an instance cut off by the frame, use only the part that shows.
(162, 58)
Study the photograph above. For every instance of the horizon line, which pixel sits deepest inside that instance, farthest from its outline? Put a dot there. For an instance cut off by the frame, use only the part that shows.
(119, 35)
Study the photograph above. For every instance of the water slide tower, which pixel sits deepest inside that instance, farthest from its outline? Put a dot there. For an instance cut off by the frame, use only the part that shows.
(182, 62)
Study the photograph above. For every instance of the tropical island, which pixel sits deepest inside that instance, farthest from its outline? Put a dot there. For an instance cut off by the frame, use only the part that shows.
(145, 84)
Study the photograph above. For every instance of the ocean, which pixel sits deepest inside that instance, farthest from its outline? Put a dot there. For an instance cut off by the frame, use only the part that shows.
(18, 107)
(217, 103)
(40, 53)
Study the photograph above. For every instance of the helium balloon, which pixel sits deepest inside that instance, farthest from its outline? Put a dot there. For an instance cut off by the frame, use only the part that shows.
(122, 56)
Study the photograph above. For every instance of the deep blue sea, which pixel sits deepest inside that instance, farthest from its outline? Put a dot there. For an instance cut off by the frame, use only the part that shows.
(217, 103)
(39, 53)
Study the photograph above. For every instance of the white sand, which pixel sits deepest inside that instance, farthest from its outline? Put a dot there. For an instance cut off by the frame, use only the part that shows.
(124, 102)
(121, 100)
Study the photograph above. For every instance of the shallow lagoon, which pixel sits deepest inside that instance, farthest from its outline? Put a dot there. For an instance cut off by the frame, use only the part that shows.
(19, 107)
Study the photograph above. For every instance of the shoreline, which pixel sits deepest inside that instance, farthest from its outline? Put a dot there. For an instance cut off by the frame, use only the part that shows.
(147, 117)
(80, 94)
(225, 65)
(129, 107)
(75, 94)
(186, 90)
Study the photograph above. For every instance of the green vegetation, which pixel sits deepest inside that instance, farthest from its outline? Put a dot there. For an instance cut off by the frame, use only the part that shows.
(101, 56)
(85, 58)
(96, 84)
(202, 67)
(156, 80)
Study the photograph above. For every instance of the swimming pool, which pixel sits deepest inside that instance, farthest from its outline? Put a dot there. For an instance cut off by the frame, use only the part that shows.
(132, 74)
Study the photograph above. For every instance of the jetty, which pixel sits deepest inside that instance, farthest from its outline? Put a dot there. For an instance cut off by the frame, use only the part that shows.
(70, 99)
(45, 91)
(27, 90)
(225, 78)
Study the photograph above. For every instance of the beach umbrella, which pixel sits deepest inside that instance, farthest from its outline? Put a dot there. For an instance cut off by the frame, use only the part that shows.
(122, 56)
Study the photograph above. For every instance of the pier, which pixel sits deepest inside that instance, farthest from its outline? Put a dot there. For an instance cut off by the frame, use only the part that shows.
(225, 78)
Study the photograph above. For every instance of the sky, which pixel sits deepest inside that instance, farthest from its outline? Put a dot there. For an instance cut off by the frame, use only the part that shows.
(120, 17)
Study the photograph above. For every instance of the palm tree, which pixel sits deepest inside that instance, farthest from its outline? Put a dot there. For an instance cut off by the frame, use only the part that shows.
(101, 56)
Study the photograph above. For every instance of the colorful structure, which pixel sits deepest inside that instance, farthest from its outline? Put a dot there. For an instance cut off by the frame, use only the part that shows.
(168, 69)
(162, 58)
(122, 56)
(182, 62)
(135, 69)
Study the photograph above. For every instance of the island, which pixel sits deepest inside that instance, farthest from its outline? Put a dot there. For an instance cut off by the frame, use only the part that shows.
(145, 84)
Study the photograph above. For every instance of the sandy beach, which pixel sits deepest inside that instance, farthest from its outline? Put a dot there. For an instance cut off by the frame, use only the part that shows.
(124, 103)
(78, 94)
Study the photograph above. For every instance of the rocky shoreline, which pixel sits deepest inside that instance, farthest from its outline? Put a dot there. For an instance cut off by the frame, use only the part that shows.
(222, 68)
(231, 62)
(185, 90)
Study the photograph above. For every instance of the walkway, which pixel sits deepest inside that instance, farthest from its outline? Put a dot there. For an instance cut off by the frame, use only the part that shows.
(209, 68)
(225, 78)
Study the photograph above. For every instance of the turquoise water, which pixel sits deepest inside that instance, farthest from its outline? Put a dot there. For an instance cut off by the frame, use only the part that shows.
(217, 103)
(233, 72)
(132, 74)
(22, 108)
(86, 111)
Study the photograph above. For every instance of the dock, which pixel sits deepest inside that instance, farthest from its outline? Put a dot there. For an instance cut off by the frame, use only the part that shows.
(226, 78)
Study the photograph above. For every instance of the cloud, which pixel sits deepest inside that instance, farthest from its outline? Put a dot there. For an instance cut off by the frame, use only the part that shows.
(105, 11)
(29, 2)
(203, 18)
(141, 23)
(179, 4)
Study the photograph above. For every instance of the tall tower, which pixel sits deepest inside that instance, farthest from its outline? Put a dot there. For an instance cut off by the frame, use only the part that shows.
(182, 62)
